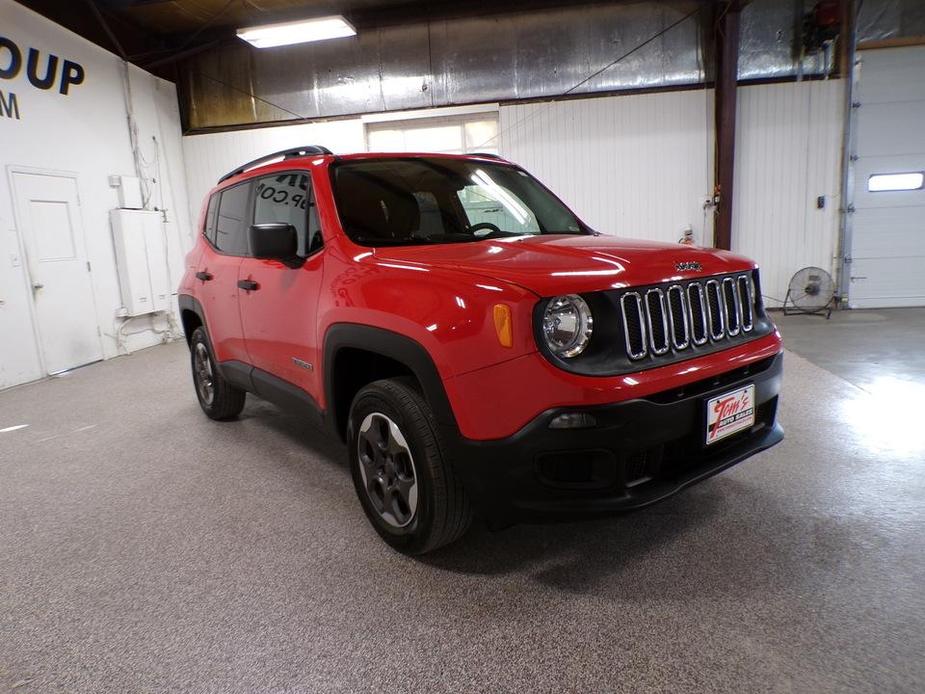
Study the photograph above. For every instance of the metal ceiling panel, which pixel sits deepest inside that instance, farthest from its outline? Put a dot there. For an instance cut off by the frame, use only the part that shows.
(536, 55)
(890, 19)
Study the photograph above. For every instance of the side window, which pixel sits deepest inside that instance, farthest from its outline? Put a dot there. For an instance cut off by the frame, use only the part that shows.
(287, 197)
(209, 231)
(231, 224)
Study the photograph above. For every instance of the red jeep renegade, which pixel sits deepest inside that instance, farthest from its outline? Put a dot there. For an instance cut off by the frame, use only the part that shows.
(478, 347)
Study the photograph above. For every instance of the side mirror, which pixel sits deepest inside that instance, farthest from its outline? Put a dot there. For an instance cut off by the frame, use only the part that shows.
(275, 241)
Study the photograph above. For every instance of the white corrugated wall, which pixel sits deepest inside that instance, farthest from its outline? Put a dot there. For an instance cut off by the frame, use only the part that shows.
(638, 165)
(788, 153)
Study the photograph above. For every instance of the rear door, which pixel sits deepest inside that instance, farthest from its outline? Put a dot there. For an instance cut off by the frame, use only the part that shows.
(218, 271)
(279, 315)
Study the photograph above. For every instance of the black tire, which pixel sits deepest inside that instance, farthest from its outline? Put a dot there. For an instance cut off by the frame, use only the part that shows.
(226, 401)
(442, 514)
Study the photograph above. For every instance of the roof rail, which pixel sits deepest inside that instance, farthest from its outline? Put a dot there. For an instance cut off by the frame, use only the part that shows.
(285, 154)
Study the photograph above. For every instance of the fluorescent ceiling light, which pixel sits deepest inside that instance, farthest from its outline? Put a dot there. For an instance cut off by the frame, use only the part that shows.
(303, 31)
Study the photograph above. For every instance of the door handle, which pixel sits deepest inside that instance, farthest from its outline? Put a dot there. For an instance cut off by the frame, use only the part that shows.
(204, 276)
(38, 285)
(248, 285)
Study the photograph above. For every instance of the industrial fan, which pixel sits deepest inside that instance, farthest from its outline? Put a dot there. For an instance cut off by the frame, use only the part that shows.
(811, 290)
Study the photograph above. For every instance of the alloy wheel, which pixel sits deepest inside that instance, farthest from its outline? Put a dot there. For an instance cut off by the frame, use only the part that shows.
(387, 469)
(202, 371)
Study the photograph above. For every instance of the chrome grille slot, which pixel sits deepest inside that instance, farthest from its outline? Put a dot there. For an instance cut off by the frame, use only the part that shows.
(657, 321)
(634, 325)
(677, 315)
(746, 302)
(733, 308)
(698, 313)
(715, 310)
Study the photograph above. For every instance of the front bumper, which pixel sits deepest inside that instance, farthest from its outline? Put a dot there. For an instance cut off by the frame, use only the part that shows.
(640, 452)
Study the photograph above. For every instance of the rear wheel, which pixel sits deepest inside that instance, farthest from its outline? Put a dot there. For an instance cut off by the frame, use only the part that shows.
(402, 475)
(219, 399)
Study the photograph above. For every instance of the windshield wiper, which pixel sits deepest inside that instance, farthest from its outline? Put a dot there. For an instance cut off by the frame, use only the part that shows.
(500, 234)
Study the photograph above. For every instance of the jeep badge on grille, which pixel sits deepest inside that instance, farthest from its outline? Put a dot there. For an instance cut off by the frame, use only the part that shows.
(688, 266)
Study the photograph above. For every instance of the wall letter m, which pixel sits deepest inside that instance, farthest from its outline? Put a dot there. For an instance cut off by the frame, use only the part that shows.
(9, 106)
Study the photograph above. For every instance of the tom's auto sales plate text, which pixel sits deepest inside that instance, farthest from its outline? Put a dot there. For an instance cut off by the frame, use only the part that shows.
(730, 413)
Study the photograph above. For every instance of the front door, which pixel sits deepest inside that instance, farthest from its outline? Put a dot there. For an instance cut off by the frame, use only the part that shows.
(279, 314)
(48, 216)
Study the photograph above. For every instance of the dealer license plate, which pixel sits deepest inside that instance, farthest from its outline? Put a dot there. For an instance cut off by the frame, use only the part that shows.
(730, 413)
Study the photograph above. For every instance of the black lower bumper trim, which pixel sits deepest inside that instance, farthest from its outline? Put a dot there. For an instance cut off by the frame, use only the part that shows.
(641, 452)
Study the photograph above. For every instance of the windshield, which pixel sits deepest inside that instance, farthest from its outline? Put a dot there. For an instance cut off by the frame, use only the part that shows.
(399, 201)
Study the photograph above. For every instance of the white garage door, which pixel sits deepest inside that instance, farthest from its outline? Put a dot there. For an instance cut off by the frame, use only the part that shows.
(888, 227)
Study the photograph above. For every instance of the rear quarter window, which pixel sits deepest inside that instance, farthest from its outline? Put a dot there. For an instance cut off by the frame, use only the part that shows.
(232, 220)
(212, 210)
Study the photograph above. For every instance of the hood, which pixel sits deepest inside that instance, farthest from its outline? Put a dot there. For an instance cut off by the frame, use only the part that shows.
(564, 263)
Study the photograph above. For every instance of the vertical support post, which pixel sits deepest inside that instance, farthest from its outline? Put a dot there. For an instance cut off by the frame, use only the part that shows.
(726, 33)
(846, 38)
(848, 41)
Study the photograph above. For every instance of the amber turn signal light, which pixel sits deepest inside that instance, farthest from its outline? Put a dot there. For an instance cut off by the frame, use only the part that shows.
(503, 326)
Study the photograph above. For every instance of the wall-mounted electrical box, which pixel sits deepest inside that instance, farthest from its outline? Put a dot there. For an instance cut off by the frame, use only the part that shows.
(129, 188)
(141, 258)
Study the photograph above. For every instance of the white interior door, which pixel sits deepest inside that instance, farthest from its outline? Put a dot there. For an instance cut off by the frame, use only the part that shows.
(888, 226)
(48, 216)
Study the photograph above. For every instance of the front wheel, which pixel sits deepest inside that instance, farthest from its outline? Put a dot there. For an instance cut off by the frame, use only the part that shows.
(219, 399)
(402, 475)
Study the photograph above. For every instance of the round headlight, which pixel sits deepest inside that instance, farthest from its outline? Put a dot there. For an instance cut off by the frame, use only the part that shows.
(567, 325)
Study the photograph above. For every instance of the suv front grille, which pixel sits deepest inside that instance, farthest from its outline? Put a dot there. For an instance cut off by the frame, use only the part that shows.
(689, 314)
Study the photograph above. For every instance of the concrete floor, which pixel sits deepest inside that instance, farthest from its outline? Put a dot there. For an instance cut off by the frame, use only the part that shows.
(147, 548)
(863, 347)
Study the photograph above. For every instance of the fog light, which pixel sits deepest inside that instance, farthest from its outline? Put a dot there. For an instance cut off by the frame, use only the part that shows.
(573, 420)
